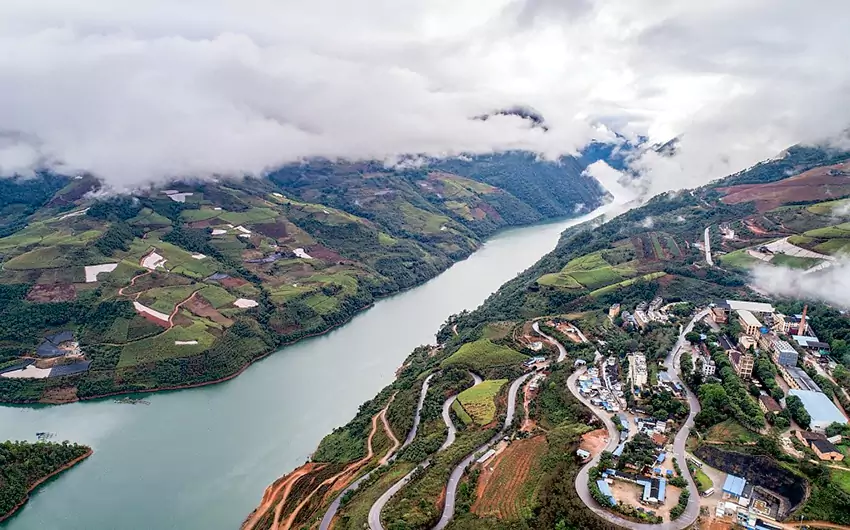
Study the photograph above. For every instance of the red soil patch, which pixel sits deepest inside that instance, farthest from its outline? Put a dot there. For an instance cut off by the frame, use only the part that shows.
(273, 230)
(323, 253)
(60, 292)
(233, 282)
(500, 491)
(820, 183)
(594, 441)
(201, 224)
(201, 307)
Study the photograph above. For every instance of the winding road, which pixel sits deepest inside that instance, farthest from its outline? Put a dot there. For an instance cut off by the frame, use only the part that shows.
(562, 352)
(330, 513)
(378, 507)
(692, 512)
(457, 473)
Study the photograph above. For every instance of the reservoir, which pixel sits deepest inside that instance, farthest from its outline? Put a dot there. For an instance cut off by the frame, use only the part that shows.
(201, 458)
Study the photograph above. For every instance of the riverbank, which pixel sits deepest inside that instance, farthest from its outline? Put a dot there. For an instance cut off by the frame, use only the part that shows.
(41, 481)
(227, 437)
(68, 394)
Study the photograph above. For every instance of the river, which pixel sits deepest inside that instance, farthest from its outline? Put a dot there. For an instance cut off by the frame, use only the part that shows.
(201, 458)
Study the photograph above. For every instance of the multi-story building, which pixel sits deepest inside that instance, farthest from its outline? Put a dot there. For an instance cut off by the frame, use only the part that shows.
(614, 310)
(637, 369)
(784, 353)
(743, 363)
(749, 322)
(708, 367)
(746, 342)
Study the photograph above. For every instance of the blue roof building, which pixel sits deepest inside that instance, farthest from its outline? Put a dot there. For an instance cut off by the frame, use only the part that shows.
(619, 450)
(822, 410)
(662, 489)
(662, 457)
(734, 486)
(606, 491)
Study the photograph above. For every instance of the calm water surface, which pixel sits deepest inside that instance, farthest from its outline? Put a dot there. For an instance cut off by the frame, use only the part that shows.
(201, 458)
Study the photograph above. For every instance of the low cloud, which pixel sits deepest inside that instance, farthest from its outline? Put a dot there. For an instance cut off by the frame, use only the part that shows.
(830, 285)
(138, 92)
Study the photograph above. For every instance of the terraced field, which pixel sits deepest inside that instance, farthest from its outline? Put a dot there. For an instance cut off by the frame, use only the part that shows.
(483, 354)
(479, 401)
(591, 271)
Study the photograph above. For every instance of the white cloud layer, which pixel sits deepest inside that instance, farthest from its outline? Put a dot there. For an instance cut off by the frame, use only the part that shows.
(830, 285)
(139, 91)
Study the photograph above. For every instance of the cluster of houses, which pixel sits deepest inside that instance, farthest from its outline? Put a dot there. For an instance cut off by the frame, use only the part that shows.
(762, 330)
(644, 314)
(602, 386)
(58, 355)
(752, 505)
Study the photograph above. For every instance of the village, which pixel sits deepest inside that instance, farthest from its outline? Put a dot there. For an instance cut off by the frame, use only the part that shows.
(641, 477)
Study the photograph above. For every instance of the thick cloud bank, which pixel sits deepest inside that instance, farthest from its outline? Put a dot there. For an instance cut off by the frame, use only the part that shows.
(830, 285)
(139, 91)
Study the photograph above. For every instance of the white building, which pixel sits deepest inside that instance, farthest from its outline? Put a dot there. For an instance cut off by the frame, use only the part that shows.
(637, 369)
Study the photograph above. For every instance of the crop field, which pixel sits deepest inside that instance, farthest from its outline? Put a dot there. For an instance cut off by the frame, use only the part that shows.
(830, 232)
(458, 409)
(738, 259)
(596, 278)
(829, 207)
(794, 262)
(833, 246)
(199, 215)
(646, 277)
(479, 401)
(590, 271)
(283, 293)
(39, 258)
(417, 219)
(148, 217)
(321, 304)
(252, 215)
(509, 492)
(559, 279)
(217, 296)
(164, 299)
(483, 354)
(671, 245)
(162, 346)
(656, 246)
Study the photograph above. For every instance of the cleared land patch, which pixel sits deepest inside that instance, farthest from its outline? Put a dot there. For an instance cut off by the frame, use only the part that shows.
(509, 491)
(479, 401)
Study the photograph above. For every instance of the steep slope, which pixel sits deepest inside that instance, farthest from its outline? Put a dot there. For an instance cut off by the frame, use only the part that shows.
(187, 285)
(650, 251)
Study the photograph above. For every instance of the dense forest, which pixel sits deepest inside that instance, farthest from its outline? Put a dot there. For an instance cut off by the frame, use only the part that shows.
(23, 465)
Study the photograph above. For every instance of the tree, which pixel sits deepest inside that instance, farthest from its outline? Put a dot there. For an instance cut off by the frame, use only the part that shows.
(798, 412)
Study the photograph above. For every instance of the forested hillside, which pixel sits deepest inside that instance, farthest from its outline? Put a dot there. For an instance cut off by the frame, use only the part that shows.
(23, 465)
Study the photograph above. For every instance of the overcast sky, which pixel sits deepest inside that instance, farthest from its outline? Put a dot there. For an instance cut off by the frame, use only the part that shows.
(138, 91)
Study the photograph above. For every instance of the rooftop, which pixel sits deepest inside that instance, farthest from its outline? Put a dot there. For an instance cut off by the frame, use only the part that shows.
(782, 346)
(802, 379)
(825, 446)
(755, 307)
(819, 407)
(734, 485)
(748, 318)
